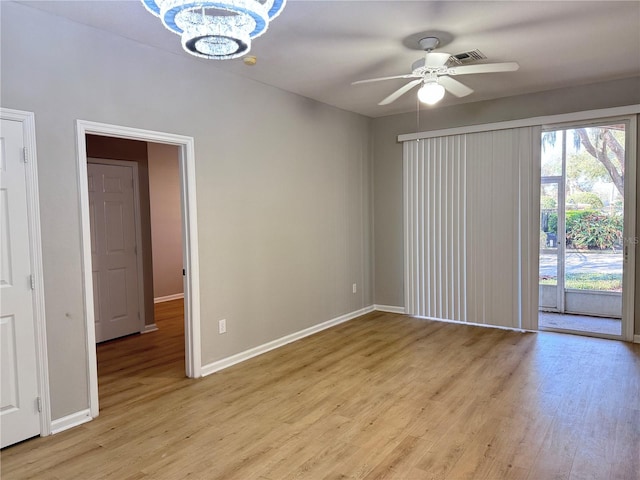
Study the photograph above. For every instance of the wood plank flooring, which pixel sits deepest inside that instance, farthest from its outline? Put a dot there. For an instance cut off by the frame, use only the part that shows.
(383, 396)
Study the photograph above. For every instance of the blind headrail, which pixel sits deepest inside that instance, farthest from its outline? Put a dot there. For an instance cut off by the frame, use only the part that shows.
(586, 115)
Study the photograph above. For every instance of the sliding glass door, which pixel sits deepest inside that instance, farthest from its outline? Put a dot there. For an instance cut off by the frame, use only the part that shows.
(476, 250)
(582, 237)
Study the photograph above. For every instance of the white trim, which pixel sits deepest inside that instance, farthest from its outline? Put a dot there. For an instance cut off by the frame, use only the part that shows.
(137, 214)
(525, 122)
(636, 339)
(189, 241)
(33, 207)
(630, 213)
(152, 327)
(190, 258)
(70, 421)
(87, 285)
(168, 298)
(389, 309)
(266, 347)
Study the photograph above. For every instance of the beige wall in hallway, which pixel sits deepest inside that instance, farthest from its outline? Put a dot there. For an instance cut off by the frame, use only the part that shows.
(166, 219)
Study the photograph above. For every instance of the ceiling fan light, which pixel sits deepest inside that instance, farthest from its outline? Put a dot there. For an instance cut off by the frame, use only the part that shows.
(431, 93)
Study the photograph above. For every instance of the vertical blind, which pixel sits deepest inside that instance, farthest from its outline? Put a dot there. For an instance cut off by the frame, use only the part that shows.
(470, 221)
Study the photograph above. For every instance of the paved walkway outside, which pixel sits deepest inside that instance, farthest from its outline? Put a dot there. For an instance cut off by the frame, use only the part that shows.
(582, 262)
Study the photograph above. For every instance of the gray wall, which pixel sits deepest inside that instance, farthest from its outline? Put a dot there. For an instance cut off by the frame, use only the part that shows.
(283, 185)
(388, 236)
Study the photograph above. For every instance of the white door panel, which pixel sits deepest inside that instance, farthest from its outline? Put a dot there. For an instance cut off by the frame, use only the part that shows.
(19, 417)
(9, 392)
(115, 228)
(113, 248)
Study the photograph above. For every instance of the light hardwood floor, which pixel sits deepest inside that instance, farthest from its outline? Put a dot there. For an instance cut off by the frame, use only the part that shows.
(381, 396)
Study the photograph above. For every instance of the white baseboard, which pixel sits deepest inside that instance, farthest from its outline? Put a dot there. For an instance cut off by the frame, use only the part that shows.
(149, 328)
(70, 421)
(168, 298)
(636, 339)
(254, 352)
(389, 309)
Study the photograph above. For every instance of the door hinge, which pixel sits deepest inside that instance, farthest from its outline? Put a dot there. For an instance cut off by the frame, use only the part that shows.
(183, 272)
(25, 154)
(39, 404)
(32, 281)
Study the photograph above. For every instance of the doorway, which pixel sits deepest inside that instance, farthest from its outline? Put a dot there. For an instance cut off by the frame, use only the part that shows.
(584, 217)
(189, 243)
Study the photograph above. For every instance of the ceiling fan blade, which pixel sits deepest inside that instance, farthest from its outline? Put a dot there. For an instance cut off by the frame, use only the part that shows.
(436, 59)
(408, 75)
(484, 68)
(401, 91)
(454, 86)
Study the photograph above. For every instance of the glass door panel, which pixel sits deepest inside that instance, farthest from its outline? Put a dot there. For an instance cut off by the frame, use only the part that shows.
(550, 253)
(582, 209)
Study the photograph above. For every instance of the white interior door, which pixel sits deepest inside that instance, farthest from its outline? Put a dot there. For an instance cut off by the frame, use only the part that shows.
(113, 251)
(19, 417)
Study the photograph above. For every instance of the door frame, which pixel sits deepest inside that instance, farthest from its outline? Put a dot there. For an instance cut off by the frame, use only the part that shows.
(193, 360)
(35, 239)
(137, 227)
(630, 238)
(629, 228)
(560, 241)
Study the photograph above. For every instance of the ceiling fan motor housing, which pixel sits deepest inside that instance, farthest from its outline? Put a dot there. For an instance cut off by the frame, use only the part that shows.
(429, 43)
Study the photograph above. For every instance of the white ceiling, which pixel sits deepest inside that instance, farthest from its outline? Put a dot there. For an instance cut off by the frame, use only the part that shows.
(317, 48)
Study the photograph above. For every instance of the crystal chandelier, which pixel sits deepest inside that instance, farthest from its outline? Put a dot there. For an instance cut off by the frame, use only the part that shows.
(218, 30)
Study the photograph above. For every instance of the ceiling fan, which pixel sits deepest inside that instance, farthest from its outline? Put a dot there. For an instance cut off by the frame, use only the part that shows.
(434, 72)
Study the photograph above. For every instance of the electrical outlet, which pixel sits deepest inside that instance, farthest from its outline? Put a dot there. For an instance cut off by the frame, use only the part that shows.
(354, 288)
(222, 326)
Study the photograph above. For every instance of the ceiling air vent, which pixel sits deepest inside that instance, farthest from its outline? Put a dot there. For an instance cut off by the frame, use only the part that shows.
(467, 57)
